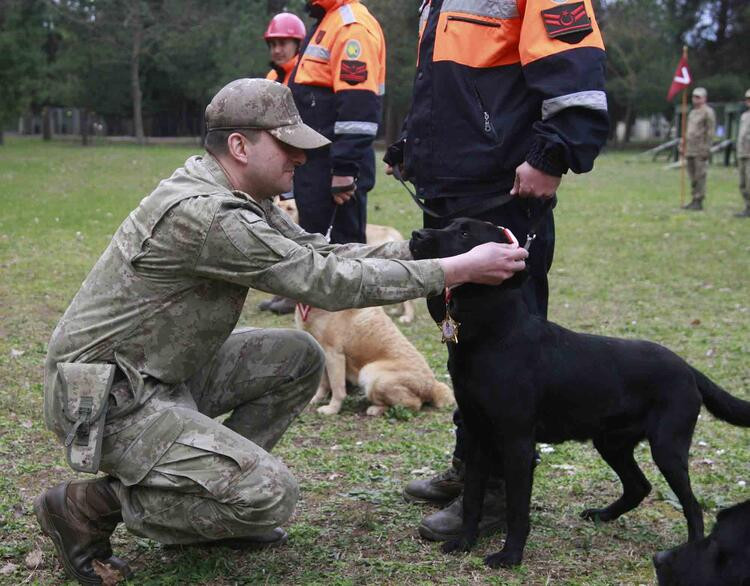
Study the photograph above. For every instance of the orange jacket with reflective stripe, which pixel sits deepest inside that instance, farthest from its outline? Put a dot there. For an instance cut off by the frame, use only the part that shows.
(338, 85)
(503, 81)
(283, 72)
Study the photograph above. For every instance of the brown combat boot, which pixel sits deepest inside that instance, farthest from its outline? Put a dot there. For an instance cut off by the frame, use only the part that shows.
(79, 517)
(696, 205)
(440, 489)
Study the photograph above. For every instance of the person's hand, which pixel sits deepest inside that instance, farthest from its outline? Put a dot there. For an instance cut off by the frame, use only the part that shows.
(343, 196)
(388, 169)
(531, 182)
(490, 263)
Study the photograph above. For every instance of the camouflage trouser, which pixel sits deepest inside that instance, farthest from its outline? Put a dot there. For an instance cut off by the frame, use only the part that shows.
(186, 478)
(744, 168)
(697, 168)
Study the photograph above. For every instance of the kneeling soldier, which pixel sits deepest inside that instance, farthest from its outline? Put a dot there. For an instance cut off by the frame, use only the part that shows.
(147, 355)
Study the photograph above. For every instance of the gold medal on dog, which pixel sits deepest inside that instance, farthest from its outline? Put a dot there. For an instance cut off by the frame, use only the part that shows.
(449, 329)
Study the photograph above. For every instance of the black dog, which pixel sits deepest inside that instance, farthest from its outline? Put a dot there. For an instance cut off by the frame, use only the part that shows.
(721, 559)
(520, 379)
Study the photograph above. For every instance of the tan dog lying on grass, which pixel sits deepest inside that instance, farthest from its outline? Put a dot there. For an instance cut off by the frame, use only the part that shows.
(365, 347)
(374, 233)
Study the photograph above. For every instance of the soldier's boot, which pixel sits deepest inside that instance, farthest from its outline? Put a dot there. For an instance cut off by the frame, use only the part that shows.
(695, 204)
(282, 306)
(265, 305)
(440, 489)
(79, 517)
(447, 524)
(744, 213)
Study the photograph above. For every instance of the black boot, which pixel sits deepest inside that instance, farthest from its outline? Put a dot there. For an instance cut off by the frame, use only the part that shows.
(79, 517)
(744, 213)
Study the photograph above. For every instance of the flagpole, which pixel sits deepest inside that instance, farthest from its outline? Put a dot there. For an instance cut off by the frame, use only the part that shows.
(683, 123)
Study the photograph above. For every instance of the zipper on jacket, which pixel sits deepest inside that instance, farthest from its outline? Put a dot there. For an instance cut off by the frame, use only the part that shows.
(487, 122)
(471, 20)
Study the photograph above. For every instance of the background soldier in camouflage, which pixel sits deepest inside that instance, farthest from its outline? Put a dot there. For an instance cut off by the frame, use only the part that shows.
(161, 305)
(699, 135)
(743, 157)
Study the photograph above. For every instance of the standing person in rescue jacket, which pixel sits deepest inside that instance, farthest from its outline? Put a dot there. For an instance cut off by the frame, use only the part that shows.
(508, 97)
(338, 87)
(283, 36)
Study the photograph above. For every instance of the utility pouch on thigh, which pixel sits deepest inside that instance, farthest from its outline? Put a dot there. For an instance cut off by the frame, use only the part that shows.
(85, 394)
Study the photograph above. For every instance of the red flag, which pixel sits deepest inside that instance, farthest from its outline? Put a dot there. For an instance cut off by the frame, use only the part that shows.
(681, 79)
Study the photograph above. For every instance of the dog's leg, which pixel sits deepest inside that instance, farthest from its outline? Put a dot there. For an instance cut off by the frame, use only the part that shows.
(670, 446)
(408, 312)
(518, 468)
(475, 482)
(323, 389)
(634, 484)
(387, 390)
(336, 371)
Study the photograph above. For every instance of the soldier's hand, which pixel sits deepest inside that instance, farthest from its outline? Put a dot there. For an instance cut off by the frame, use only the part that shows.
(531, 182)
(342, 197)
(488, 264)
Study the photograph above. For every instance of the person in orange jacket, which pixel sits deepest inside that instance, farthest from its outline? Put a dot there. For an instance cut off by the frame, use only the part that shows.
(338, 87)
(508, 97)
(283, 36)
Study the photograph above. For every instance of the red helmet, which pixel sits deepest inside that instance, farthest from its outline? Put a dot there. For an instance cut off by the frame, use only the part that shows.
(285, 25)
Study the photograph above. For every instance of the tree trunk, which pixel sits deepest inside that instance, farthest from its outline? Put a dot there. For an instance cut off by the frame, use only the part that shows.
(2, 137)
(135, 75)
(85, 127)
(629, 119)
(46, 124)
(275, 6)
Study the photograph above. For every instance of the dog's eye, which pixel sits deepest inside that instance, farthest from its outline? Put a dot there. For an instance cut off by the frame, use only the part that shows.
(464, 234)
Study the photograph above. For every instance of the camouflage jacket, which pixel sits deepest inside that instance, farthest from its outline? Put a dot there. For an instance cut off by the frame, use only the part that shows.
(701, 125)
(169, 288)
(743, 137)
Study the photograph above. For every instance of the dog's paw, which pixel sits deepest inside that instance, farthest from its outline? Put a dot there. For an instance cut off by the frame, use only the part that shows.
(406, 319)
(595, 515)
(329, 409)
(503, 559)
(457, 545)
(376, 410)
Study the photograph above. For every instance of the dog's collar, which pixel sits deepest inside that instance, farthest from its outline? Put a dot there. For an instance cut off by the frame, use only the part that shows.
(304, 310)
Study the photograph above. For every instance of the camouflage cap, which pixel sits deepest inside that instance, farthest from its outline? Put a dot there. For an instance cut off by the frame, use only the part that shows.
(700, 92)
(261, 104)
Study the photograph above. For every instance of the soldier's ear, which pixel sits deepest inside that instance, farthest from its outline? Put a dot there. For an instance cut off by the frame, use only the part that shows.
(237, 147)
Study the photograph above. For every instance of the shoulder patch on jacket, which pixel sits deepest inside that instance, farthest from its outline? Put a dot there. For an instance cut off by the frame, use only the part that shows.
(353, 49)
(569, 23)
(353, 72)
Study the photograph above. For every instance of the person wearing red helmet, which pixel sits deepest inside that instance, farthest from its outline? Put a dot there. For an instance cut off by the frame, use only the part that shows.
(284, 36)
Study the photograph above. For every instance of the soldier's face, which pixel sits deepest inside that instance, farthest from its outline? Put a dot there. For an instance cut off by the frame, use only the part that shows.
(698, 101)
(282, 50)
(270, 166)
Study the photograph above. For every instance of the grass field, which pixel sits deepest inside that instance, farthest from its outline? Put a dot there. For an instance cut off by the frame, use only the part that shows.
(628, 263)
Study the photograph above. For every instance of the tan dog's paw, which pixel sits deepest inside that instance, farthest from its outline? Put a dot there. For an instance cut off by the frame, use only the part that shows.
(376, 410)
(406, 319)
(329, 409)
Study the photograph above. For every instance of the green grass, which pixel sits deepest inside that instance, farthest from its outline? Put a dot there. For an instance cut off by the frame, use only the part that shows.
(628, 263)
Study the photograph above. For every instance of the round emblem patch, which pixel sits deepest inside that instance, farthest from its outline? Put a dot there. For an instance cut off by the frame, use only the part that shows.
(353, 49)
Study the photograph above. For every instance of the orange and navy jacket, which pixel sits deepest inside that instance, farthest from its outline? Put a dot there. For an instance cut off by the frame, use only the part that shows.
(282, 73)
(339, 83)
(500, 82)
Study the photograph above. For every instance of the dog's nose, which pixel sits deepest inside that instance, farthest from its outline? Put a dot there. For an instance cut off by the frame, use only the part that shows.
(417, 235)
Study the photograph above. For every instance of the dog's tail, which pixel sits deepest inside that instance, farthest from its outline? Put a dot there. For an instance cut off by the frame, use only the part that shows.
(720, 403)
(442, 395)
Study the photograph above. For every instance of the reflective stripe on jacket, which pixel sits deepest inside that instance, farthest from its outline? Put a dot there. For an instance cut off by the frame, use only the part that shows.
(499, 82)
(338, 85)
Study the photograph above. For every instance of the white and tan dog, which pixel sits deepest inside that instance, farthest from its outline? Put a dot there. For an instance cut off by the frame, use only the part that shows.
(375, 234)
(366, 348)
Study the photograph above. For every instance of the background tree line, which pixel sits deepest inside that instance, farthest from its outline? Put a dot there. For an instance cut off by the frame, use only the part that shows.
(162, 60)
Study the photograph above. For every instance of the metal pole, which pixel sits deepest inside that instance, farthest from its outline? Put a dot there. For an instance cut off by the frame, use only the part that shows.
(683, 123)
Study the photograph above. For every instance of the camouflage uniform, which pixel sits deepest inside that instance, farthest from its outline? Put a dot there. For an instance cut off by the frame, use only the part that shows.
(743, 156)
(701, 124)
(161, 304)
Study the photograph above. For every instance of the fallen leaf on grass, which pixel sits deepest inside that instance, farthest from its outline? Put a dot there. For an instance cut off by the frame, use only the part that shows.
(8, 568)
(16, 353)
(33, 559)
(107, 573)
